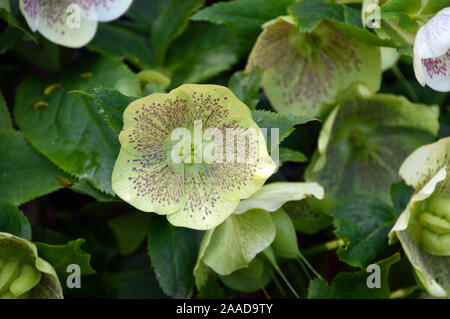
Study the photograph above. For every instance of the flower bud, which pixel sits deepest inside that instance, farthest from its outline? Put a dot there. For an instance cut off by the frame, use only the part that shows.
(23, 274)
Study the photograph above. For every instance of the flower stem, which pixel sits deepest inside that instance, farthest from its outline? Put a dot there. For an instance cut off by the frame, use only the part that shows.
(330, 245)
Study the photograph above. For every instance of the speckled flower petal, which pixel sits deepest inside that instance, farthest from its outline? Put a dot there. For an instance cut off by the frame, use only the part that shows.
(53, 20)
(434, 40)
(196, 195)
(272, 196)
(427, 170)
(304, 71)
(106, 10)
(436, 72)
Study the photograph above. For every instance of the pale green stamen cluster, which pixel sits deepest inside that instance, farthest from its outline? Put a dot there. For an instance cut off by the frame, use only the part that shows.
(17, 279)
(435, 221)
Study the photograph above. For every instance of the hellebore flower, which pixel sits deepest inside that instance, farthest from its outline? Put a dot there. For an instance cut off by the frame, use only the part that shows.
(304, 71)
(199, 180)
(432, 52)
(71, 23)
(23, 274)
(424, 227)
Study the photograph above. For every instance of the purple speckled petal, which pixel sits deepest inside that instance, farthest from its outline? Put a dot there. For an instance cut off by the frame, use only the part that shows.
(435, 40)
(58, 23)
(437, 72)
(107, 10)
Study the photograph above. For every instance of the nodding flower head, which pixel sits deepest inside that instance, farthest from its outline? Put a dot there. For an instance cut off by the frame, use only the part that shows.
(432, 52)
(191, 154)
(23, 274)
(71, 23)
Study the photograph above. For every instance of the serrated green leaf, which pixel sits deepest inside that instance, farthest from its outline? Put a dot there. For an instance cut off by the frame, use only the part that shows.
(5, 118)
(71, 130)
(13, 221)
(243, 17)
(113, 104)
(24, 174)
(363, 222)
(354, 285)
(284, 123)
(130, 231)
(170, 24)
(246, 87)
(310, 13)
(173, 252)
(119, 42)
(61, 256)
(203, 51)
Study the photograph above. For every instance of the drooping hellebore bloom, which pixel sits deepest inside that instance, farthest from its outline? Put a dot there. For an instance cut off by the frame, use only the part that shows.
(424, 227)
(23, 274)
(191, 154)
(71, 23)
(432, 52)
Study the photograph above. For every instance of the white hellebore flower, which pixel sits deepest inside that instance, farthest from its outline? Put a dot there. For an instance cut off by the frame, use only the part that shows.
(432, 52)
(71, 23)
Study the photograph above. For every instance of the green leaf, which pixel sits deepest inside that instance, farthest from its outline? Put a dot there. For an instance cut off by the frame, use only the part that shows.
(288, 155)
(434, 6)
(305, 72)
(71, 130)
(13, 221)
(5, 118)
(126, 45)
(61, 256)
(363, 145)
(234, 243)
(243, 17)
(133, 278)
(203, 51)
(12, 22)
(310, 13)
(130, 231)
(246, 87)
(309, 215)
(400, 195)
(363, 222)
(113, 104)
(354, 285)
(404, 10)
(171, 23)
(272, 121)
(173, 252)
(24, 174)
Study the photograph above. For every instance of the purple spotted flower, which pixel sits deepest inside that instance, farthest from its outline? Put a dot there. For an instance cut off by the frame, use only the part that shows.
(432, 52)
(191, 154)
(71, 23)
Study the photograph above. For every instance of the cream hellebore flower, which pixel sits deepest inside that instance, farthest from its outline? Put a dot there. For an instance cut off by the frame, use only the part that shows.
(23, 275)
(432, 52)
(71, 23)
(424, 227)
(181, 155)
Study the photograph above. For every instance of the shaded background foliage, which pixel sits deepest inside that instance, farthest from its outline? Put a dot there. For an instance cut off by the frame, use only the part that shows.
(133, 255)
